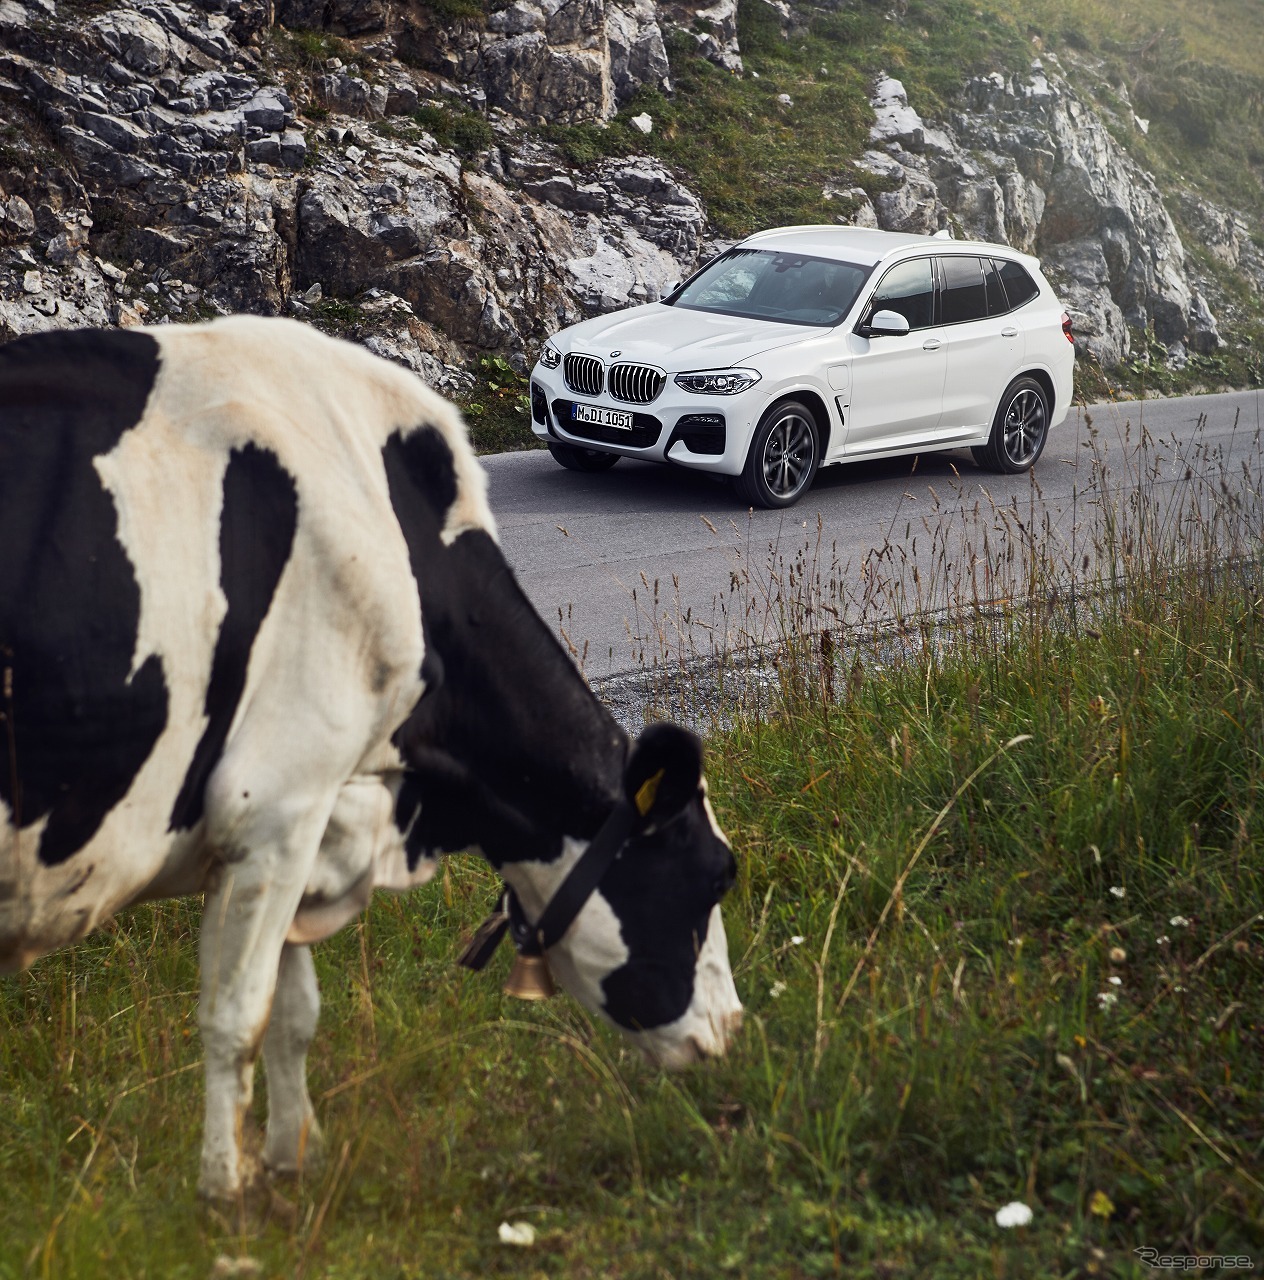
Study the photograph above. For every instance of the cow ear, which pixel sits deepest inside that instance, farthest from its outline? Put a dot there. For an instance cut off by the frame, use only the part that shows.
(663, 773)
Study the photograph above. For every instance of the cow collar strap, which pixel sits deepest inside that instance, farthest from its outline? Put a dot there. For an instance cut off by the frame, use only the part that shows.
(530, 978)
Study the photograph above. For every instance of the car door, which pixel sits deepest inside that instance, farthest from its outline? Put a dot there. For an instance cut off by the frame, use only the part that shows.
(985, 345)
(897, 382)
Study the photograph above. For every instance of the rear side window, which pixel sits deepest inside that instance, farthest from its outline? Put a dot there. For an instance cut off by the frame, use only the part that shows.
(996, 302)
(908, 290)
(1019, 286)
(964, 297)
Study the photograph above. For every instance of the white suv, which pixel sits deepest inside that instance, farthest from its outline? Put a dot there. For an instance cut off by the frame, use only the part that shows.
(806, 346)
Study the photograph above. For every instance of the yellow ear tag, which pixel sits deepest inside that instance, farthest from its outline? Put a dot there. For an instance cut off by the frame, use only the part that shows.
(647, 791)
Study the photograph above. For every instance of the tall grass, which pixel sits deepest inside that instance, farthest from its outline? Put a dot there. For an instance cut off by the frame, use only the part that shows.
(997, 929)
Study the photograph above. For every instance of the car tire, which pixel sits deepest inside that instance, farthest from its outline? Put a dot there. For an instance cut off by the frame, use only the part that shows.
(575, 459)
(783, 458)
(1019, 429)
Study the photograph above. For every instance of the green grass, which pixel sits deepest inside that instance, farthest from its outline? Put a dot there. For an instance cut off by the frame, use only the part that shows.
(958, 840)
(498, 408)
(457, 127)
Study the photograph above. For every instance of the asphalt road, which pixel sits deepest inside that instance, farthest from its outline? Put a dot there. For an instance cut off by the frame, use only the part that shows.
(647, 562)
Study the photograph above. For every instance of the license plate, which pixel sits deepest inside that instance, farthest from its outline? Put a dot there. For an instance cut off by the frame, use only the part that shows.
(596, 416)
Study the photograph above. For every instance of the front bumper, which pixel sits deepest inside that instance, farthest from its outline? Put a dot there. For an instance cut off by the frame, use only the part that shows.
(709, 433)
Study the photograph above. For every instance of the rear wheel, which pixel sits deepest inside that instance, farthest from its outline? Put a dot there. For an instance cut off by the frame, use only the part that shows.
(785, 453)
(1019, 429)
(576, 459)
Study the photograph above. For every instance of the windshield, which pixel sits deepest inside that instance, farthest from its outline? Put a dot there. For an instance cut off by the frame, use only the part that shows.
(767, 284)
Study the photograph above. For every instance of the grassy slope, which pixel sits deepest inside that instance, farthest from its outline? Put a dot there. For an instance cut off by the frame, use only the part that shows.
(930, 925)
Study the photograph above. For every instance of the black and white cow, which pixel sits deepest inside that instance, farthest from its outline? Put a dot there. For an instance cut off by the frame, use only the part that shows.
(258, 641)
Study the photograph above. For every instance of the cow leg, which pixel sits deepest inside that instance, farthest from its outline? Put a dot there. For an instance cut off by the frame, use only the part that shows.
(293, 1134)
(244, 923)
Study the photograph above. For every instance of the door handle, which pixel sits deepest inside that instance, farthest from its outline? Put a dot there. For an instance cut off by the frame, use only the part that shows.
(1009, 332)
(931, 344)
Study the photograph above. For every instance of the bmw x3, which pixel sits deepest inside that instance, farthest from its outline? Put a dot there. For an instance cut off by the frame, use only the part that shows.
(809, 346)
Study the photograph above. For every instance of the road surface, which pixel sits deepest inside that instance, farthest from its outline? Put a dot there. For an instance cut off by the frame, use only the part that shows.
(646, 562)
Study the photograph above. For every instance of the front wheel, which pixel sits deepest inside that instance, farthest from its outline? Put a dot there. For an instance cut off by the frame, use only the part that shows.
(784, 455)
(574, 459)
(1019, 429)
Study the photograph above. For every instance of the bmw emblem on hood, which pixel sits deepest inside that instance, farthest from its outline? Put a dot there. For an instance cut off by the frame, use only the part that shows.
(615, 353)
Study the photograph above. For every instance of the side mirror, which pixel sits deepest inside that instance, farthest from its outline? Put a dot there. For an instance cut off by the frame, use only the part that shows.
(885, 324)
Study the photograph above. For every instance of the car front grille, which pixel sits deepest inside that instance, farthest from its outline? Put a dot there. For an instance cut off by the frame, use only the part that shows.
(584, 374)
(635, 383)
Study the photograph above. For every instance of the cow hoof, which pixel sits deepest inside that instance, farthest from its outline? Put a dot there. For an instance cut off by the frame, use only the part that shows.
(290, 1159)
(281, 1210)
(252, 1206)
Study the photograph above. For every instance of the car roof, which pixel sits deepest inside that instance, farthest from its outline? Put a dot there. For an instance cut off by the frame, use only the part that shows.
(866, 246)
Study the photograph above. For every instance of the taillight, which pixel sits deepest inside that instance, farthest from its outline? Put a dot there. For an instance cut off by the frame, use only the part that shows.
(1066, 328)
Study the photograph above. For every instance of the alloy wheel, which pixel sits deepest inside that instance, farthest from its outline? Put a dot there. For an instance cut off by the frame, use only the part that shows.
(789, 453)
(1025, 425)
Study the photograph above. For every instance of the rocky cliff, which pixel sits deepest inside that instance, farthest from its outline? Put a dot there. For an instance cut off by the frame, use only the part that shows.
(169, 159)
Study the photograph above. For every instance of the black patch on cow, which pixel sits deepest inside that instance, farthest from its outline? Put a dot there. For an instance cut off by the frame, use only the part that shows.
(662, 890)
(257, 524)
(512, 719)
(441, 809)
(78, 728)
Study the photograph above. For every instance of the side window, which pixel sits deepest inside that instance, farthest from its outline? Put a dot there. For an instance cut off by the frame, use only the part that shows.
(1019, 286)
(963, 295)
(907, 289)
(996, 303)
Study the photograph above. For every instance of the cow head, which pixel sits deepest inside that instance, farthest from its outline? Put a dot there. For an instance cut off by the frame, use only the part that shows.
(646, 948)
(627, 914)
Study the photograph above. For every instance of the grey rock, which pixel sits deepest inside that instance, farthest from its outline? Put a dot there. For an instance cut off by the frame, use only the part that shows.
(638, 55)
(97, 159)
(342, 17)
(293, 149)
(532, 78)
(401, 100)
(64, 246)
(269, 109)
(265, 150)
(351, 94)
(713, 27)
(121, 135)
(17, 222)
(140, 43)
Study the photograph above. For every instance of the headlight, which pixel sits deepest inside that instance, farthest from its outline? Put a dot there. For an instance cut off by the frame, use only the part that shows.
(550, 357)
(717, 382)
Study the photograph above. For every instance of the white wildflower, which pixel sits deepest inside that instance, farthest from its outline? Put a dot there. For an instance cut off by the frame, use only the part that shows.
(798, 940)
(1106, 998)
(1118, 891)
(1163, 939)
(776, 989)
(1115, 981)
(1014, 1214)
(1179, 922)
(521, 1234)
